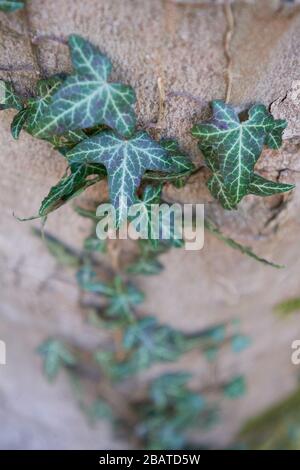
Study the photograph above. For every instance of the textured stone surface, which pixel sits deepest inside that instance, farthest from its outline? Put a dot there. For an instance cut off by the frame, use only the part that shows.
(183, 44)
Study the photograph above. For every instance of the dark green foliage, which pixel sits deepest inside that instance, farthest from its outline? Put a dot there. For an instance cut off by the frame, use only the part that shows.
(10, 5)
(168, 410)
(231, 149)
(287, 307)
(275, 429)
(55, 356)
(8, 97)
(125, 161)
(86, 98)
(121, 298)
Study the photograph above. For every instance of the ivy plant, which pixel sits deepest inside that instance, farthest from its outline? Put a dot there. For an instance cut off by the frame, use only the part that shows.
(91, 122)
(165, 410)
(231, 148)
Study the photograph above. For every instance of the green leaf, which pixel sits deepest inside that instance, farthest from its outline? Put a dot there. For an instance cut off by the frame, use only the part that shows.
(8, 98)
(286, 307)
(262, 187)
(71, 186)
(86, 98)
(236, 144)
(161, 228)
(216, 183)
(274, 138)
(125, 160)
(124, 300)
(63, 254)
(10, 5)
(235, 245)
(183, 166)
(239, 343)
(145, 266)
(121, 297)
(93, 244)
(19, 122)
(56, 355)
(37, 106)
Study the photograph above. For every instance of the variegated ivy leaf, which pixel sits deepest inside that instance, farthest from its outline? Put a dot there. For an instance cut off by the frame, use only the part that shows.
(56, 355)
(86, 98)
(238, 145)
(125, 160)
(71, 186)
(19, 122)
(8, 97)
(211, 227)
(263, 187)
(10, 5)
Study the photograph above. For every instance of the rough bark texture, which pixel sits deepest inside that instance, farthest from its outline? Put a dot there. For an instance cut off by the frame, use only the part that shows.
(182, 42)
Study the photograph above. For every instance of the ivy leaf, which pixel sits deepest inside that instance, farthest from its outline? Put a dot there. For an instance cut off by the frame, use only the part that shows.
(37, 106)
(162, 225)
(71, 186)
(145, 266)
(125, 160)
(235, 388)
(216, 182)
(274, 138)
(99, 409)
(150, 342)
(19, 122)
(10, 5)
(94, 244)
(86, 98)
(124, 300)
(184, 166)
(8, 97)
(286, 307)
(56, 355)
(236, 144)
(235, 245)
(263, 187)
(121, 297)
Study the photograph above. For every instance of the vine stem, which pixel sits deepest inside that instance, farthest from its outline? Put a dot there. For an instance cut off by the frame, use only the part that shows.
(227, 41)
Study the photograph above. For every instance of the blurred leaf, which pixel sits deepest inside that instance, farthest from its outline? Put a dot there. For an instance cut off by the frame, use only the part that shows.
(63, 254)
